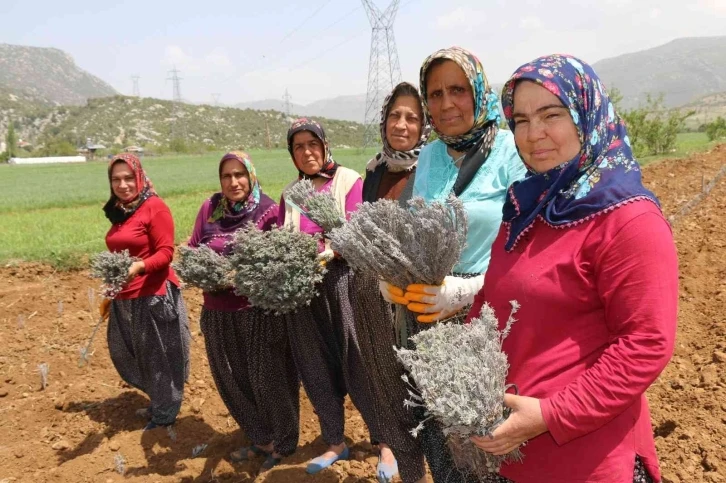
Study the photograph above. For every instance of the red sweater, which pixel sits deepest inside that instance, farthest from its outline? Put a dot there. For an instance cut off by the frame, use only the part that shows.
(596, 327)
(149, 235)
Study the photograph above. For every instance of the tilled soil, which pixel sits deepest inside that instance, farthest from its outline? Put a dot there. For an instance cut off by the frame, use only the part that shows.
(82, 426)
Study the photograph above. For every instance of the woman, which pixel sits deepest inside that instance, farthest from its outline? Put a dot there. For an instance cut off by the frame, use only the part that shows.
(404, 130)
(249, 355)
(322, 335)
(390, 175)
(476, 161)
(598, 311)
(148, 330)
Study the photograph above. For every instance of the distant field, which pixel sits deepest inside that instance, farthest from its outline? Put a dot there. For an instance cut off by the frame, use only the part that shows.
(53, 212)
(686, 144)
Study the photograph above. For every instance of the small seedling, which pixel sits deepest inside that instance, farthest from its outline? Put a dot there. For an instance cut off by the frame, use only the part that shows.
(120, 463)
(43, 370)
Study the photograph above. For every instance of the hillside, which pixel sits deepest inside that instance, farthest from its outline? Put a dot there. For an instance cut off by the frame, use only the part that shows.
(707, 109)
(30, 114)
(123, 120)
(48, 74)
(682, 70)
(348, 108)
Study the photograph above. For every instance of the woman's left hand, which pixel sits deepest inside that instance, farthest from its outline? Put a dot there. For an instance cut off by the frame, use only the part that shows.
(524, 423)
(136, 269)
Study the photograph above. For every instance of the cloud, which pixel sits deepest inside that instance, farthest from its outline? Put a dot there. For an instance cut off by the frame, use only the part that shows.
(214, 61)
(531, 23)
(175, 55)
(718, 6)
(462, 19)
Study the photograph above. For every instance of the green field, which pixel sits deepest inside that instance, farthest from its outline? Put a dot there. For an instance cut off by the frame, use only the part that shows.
(52, 213)
(687, 143)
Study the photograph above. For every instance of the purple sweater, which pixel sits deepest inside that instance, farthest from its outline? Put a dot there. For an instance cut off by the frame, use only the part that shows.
(205, 234)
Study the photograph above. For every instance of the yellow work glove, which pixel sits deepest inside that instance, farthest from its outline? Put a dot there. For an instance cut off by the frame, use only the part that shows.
(104, 308)
(391, 293)
(438, 302)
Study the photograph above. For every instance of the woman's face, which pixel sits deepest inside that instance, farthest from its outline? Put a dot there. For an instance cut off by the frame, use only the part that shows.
(450, 99)
(123, 182)
(308, 152)
(544, 131)
(403, 124)
(235, 180)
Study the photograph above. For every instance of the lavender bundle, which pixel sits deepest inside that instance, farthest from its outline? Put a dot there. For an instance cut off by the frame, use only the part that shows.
(204, 268)
(402, 246)
(459, 371)
(319, 207)
(113, 270)
(277, 270)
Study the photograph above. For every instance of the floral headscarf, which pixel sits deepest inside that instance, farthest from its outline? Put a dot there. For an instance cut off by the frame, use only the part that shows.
(234, 214)
(306, 124)
(394, 159)
(602, 177)
(479, 140)
(118, 211)
(486, 102)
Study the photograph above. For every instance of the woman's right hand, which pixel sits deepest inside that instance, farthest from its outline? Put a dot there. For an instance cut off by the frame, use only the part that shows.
(391, 293)
(104, 308)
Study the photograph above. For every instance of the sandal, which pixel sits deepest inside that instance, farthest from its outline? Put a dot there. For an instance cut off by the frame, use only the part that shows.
(243, 454)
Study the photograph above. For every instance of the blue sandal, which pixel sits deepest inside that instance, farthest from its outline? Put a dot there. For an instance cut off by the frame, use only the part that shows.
(243, 454)
(318, 464)
(386, 472)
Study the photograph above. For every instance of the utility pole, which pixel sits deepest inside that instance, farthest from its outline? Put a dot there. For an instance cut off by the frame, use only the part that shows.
(269, 141)
(288, 106)
(215, 97)
(384, 70)
(177, 124)
(135, 79)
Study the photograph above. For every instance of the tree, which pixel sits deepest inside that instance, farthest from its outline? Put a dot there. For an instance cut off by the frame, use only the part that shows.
(652, 128)
(716, 129)
(11, 140)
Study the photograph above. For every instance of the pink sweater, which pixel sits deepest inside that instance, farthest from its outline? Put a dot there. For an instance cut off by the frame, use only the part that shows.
(596, 327)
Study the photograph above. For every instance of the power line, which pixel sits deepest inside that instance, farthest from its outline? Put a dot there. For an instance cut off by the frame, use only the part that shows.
(289, 34)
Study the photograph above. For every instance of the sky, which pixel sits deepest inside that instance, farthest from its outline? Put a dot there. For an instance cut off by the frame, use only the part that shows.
(250, 50)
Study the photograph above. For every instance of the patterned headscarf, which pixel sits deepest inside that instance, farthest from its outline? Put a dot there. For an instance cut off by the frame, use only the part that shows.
(394, 159)
(478, 141)
(602, 177)
(234, 214)
(486, 102)
(306, 124)
(118, 211)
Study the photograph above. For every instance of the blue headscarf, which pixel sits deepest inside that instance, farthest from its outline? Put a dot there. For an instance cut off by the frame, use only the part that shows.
(602, 177)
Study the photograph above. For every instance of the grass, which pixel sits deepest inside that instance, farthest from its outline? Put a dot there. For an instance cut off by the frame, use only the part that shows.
(687, 143)
(52, 213)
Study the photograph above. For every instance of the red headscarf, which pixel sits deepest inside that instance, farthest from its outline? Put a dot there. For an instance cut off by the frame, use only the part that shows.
(118, 211)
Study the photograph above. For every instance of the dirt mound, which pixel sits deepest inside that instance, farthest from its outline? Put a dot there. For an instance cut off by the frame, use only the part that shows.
(82, 426)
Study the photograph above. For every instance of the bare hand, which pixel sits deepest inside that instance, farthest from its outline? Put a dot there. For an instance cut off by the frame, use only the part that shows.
(524, 423)
(136, 269)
